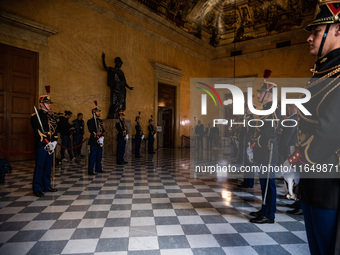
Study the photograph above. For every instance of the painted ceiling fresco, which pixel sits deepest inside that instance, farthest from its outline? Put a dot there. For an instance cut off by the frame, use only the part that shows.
(221, 22)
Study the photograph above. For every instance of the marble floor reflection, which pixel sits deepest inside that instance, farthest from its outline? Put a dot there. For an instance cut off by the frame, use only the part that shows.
(152, 205)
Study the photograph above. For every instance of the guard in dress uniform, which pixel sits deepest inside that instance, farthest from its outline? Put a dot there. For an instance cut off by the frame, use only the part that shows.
(246, 136)
(319, 134)
(138, 137)
(151, 137)
(96, 141)
(265, 154)
(122, 137)
(45, 132)
(287, 145)
(289, 133)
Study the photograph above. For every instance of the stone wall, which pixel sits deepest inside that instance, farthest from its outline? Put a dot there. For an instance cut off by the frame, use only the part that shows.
(73, 35)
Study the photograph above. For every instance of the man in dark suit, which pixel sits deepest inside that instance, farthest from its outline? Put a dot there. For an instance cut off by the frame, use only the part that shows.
(78, 134)
(65, 129)
(138, 137)
(208, 134)
(151, 137)
(199, 131)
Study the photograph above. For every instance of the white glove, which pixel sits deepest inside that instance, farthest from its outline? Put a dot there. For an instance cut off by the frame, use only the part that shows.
(288, 173)
(101, 141)
(49, 148)
(250, 154)
(142, 137)
(54, 144)
(154, 136)
(126, 137)
(292, 178)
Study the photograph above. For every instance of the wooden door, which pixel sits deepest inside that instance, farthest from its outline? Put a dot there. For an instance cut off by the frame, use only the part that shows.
(167, 109)
(167, 128)
(18, 79)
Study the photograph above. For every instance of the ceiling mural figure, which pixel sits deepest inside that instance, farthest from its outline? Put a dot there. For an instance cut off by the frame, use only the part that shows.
(221, 22)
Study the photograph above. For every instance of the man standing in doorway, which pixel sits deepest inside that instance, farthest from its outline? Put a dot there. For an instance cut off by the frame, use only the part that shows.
(78, 134)
(65, 129)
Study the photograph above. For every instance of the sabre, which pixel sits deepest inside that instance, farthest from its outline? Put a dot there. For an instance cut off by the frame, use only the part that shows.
(267, 184)
(95, 121)
(36, 112)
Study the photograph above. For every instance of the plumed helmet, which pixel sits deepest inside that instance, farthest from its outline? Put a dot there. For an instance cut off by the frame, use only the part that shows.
(95, 109)
(267, 86)
(45, 99)
(327, 12)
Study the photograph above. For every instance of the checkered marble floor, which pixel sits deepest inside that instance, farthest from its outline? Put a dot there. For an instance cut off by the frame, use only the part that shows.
(149, 206)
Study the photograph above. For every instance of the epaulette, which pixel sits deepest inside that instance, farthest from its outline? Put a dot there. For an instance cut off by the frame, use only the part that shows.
(33, 114)
(296, 157)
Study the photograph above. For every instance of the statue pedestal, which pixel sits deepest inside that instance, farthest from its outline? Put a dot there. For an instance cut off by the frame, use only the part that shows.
(110, 141)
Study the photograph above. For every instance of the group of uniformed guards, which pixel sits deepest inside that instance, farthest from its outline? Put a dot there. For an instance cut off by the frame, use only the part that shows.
(312, 145)
(318, 139)
(46, 126)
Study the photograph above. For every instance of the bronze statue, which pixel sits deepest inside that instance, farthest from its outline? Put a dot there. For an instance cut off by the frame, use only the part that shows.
(117, 83)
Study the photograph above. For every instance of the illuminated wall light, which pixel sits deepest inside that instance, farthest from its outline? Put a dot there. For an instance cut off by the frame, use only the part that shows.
(185, 122)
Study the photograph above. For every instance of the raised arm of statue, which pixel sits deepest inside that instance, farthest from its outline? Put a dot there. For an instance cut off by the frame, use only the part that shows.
(104, 64)
(130, 88)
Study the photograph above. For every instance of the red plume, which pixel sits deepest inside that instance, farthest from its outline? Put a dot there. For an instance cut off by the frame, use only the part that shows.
(48, 89)
(95, 102)
(267, 73)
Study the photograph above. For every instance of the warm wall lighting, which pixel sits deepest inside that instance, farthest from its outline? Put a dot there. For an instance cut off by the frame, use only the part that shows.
(185, 122)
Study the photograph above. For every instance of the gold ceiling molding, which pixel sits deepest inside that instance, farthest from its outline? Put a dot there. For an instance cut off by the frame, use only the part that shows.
(223, 22)
(152, 18)
(25, 24)
(173, 36)
(162, 29)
